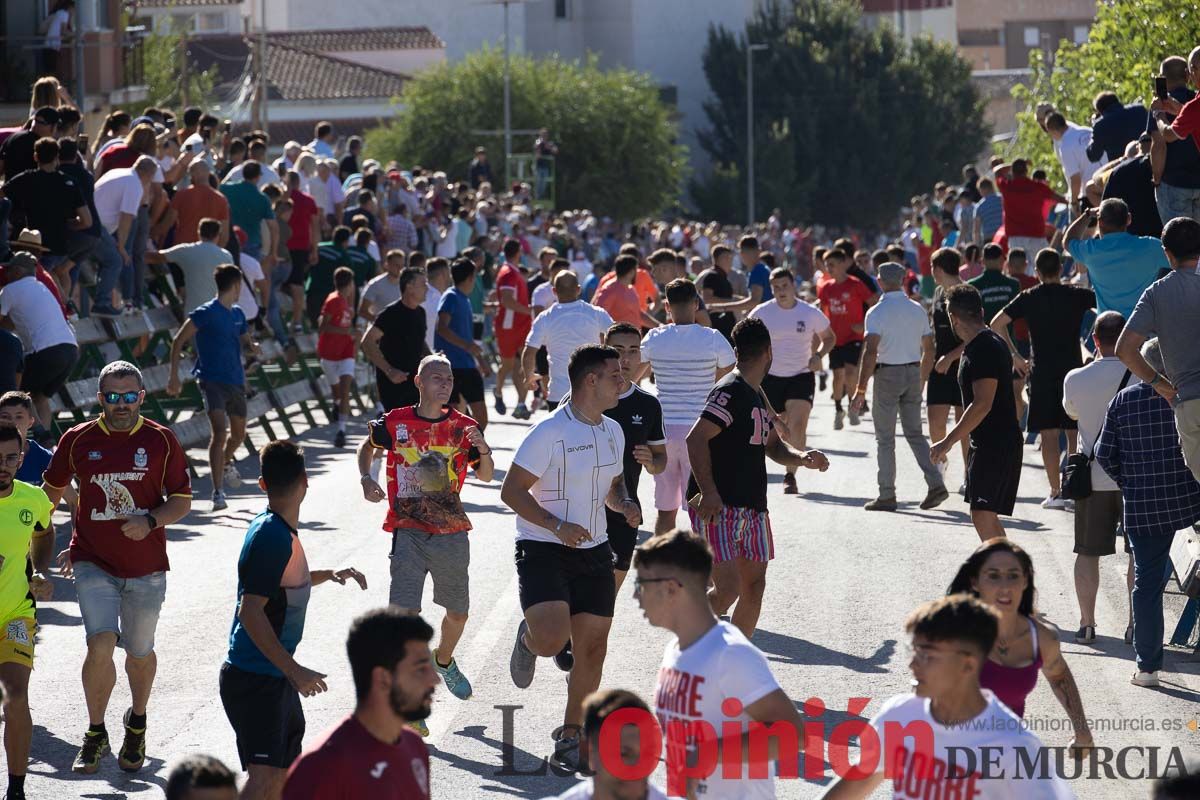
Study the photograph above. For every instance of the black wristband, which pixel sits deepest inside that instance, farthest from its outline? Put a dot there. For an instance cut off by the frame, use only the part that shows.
(153, 521)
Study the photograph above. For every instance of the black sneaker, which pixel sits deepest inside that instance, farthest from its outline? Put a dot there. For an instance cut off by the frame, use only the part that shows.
(133, 750)
(568, 754)
(14, 793)
(95, 745)
(564, 659)
(339, 439)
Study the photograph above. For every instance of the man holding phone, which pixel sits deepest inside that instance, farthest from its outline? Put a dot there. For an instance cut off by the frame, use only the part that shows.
(1175, 151)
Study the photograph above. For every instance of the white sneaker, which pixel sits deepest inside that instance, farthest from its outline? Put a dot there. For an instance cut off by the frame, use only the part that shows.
(232, 478)
(1054, 501)
(1147, 680)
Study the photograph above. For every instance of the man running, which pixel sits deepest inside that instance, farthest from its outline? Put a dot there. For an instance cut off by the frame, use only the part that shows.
(455, 337)
(133, 481)
(219, 328)
(26, 550)
(800, 338)
(429, 447)
(566, 472)
(567, 324)
(710, 672)
(395, 342)
(728, 448)
(687, 359)
(843, 299)
(941, 389)
(513, 321)
(336, 335)
(968, 743)
(371, 753)
(261, 683)
(989, 420)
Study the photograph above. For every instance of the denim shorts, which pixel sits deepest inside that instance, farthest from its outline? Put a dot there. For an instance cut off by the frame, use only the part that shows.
(127, 607)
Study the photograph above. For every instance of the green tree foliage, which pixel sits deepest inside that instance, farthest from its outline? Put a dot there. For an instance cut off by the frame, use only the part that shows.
(617, 148)
(849, 122)
(163, 55)
(1128, 41)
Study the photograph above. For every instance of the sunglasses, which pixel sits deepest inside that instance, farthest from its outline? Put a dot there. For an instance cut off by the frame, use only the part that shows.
(128, 398)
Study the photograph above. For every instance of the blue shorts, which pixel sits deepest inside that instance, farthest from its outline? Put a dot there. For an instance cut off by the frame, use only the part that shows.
(128, 607)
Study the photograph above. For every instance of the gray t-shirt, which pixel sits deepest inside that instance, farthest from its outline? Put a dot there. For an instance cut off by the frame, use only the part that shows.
(1167, 309)
(197, 260)
(381, 291)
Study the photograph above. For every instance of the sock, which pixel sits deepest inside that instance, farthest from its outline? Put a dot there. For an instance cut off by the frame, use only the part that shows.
(16, 783)
(837, 405)
(438, 661)
(341, 425)
(137, 721)
(97, 728)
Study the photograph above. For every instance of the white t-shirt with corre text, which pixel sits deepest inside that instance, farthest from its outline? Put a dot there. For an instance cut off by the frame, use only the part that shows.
(1018, 767)
(35, 314)
(695, 682)
(685, 359)
(562, 328)
(794, 332)
(575, 464)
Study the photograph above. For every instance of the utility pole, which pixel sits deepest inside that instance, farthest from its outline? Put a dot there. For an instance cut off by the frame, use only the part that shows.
(184, 77)
(507, 107)
(262, 65)
(750, 50)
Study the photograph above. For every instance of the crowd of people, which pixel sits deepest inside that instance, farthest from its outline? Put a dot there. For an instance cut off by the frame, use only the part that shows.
(1027, 321)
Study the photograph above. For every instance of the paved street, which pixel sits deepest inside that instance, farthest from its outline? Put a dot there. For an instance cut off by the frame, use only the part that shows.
(837, 595)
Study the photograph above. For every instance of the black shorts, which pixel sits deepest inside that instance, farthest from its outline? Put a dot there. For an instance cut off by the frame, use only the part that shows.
(47, 370)
(299, 267)
(794, 387)
(393, 395)
(468, 385)
(582, 578)
(266, 716)
(621, 538)
(312, 307)
(541, 362)
(943, 390)
(993, 475)
(845, 355)
(224, 397)
(1046, 402)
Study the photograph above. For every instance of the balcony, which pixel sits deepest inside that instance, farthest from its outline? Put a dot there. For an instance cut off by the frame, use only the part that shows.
(102, 68)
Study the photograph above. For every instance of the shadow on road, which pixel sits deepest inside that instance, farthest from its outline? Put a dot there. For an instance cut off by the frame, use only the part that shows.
(53, 760)
(830, 499)
(517, 772)
(791, 650)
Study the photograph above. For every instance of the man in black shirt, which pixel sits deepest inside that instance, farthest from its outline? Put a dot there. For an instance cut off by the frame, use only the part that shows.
(1054, 312)
(16, 154)
(349, 163)
(641, 419)
(1133, 182)
(728, 447)
(990, 417)
(714, 286)
(395, 342)
(46, 200)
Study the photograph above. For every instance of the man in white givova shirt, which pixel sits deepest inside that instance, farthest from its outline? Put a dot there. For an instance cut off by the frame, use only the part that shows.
(951, 638)
(800, 338)
(708, 663)
(688, 359)
(566, 323)
(566, 472)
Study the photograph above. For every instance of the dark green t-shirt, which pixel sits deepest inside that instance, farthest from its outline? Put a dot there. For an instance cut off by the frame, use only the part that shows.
(997, 290)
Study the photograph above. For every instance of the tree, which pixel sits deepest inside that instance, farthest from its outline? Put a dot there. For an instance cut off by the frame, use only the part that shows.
(1124, 48)
(849, 122)
(163, 60)
(617, 145)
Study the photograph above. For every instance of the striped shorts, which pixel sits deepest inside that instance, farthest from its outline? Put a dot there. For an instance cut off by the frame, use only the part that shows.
(737, 533)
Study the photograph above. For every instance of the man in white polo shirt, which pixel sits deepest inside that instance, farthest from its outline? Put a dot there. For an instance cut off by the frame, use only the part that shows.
(566, 324)
(800, 338)
(688, 359)
(118, 197)
(899, 350)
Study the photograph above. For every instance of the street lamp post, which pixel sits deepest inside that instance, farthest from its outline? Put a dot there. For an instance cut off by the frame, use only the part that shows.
(750, 49)
(507, 109)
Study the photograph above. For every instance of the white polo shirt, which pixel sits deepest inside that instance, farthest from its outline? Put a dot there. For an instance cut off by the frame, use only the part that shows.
(1087, 391)
(561, 328)
(793, 333)
(900, 324)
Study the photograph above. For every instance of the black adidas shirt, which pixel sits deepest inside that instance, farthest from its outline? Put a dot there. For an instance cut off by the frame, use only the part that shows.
(641, 419)
(739, 451)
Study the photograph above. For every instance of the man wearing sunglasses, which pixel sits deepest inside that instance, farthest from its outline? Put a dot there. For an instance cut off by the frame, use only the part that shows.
(133, 480)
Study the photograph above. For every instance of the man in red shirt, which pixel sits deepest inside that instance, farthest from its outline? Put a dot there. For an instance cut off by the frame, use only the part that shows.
(618, 297)
(1023, 201)
(306, 236)
(133, 481)
(197, 202)
(372, 753)
(844, 299)
(335, 345)
(513, 320)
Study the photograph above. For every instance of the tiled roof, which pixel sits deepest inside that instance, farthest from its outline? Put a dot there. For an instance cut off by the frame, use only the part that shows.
(346, 40)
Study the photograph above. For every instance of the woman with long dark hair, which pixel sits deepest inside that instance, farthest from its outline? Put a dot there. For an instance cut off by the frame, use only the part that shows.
(1000, 573)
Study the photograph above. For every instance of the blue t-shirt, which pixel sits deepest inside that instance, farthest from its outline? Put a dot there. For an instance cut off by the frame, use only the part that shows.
(1120, 267)
(272, 565)
(37, 458)
(218, 343)
(458, 306)
(589, 287)
(760, 275)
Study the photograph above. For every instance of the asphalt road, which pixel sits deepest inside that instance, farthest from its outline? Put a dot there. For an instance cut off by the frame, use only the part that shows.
(837, 594)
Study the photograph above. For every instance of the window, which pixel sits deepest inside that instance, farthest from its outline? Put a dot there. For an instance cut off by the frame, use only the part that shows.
(1081, 34)
(1032, 36)
(562, 9)
(211, 23)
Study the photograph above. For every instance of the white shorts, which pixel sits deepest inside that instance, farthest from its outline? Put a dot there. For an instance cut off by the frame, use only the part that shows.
(334, 370)
(671, 484)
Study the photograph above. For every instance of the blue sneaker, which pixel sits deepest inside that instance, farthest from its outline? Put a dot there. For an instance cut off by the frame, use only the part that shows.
(456, 682)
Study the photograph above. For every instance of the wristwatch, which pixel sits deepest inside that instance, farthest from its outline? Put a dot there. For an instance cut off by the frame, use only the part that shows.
(152, 520)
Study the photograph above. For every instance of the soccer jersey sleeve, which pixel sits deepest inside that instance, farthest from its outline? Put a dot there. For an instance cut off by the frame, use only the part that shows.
(61, 469)
(264, 560)
(176, 482)
(378, 434)
(654, 423)
(534, 454)
(43, 508)
(720, 407)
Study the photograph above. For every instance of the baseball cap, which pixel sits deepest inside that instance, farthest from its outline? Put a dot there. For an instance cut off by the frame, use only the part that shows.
(46, 115)
(23, 259)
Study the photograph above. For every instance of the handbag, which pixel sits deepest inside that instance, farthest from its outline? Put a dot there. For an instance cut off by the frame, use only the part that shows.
(1077, 473)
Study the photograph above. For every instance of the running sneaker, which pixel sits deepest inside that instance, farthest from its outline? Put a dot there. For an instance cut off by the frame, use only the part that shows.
(455, 681)
(962, 488)
(523, 662)
(1086, 634)
(498, 398)
(565, 659)
(838, 417)
(1055, 502)
(218, 501)
(521, 412)
(568, 755)
(339, 439)
(95, 745)
(854, 420)
(14, 793)
(419, 727)
(231, 476)
(133, 750)
(936, 496)
(1148, 680)
(789, 484)
(881, 504)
